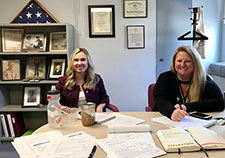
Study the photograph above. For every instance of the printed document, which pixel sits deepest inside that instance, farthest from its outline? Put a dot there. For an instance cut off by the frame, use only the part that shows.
(185, 123)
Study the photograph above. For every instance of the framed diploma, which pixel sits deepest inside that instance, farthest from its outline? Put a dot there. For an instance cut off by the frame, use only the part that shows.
(135, 36)
(135, 8)
(101, 21)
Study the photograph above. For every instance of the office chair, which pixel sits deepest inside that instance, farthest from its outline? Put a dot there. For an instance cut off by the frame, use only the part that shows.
(150, 98)
(111, 107)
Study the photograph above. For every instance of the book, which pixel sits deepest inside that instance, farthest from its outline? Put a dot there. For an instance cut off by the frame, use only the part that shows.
(185, 123)
(10, 125)
(191, 139)
(6, 134)
(18, 124)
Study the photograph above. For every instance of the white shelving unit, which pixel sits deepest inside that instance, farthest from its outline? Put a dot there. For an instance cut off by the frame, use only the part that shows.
(12, 92)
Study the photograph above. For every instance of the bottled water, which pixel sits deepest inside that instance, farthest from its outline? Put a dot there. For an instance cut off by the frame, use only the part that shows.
(54, 109)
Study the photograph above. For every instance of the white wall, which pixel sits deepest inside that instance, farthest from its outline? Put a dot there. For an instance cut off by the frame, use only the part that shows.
(126, 73)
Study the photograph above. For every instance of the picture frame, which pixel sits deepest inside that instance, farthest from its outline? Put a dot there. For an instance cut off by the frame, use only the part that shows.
(36, 68)
(101, 21)
(57, 68)
(135, 8)
(12, 40)
(11, 70)
(58, 42)
(135, 36)
(32, 96)
(34, 42)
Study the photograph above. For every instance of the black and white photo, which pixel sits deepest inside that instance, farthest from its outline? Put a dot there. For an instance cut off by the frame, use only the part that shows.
(31, 96)
(57, 68)
(11, 70)
(36, 68)
(34, 42)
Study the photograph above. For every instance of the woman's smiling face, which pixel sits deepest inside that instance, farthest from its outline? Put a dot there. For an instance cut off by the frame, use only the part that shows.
(183, 66)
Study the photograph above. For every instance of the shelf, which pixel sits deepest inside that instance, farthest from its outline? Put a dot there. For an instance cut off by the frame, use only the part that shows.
(33, 53)
(6, 138)
(18, 108)
(27, 83)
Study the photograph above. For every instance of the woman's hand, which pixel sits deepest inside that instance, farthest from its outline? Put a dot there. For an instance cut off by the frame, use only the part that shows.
(178, 114)
(100, 107)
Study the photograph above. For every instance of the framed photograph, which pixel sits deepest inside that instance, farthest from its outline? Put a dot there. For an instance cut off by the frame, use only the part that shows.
(34, 42)
(36, 68)
(32, 96)
(101, 21)
(57, 68)
(135, 8)
(58, 41)
(10, 70)
(12, 40)
(135, 36)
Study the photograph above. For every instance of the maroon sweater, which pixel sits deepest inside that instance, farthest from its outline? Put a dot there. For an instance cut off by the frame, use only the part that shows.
(70, 97)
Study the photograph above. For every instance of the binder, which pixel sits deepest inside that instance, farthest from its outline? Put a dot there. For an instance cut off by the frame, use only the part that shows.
(18, 124)
(7, 125)
(4, 125)
(10, 125)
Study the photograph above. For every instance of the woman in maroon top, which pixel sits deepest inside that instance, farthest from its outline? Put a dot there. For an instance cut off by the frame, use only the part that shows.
(81, 84)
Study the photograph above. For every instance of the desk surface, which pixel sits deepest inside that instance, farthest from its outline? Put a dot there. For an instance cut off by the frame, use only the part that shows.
(100, 131)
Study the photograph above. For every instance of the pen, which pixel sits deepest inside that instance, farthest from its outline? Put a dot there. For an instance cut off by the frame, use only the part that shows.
(179, 102)
(92, 152)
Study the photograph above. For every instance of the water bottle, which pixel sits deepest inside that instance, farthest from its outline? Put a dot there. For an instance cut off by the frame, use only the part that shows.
(54, 108)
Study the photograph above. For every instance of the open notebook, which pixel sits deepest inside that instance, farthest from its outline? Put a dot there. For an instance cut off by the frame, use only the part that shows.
(192, 139)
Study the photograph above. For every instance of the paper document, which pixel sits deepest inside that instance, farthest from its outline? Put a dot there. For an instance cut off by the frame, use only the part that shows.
(104, 117)
(185, 123)
(76, 145)
(123, 120)
(128, 128)
(33, 146)
(129, 146)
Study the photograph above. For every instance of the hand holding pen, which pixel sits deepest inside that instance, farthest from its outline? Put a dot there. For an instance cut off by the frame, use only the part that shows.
(179, 113)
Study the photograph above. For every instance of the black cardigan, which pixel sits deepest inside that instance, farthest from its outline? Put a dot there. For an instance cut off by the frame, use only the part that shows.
(166, 92)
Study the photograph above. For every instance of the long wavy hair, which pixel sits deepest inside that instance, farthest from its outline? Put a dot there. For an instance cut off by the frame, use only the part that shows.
(90, 78)
(198, 79)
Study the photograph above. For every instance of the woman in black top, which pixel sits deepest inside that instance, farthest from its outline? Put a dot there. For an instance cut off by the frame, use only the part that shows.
(186, 82)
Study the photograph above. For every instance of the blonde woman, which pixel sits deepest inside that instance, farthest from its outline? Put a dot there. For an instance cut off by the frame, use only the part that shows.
(81, 84)
(186, 83)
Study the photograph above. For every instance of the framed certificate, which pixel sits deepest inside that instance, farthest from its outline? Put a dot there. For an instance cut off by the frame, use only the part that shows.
(135, 8)
(135, 36)
(101, 21)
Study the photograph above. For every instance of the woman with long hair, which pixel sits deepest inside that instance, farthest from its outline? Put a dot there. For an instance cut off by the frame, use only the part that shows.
(188, 85)
(81, 84)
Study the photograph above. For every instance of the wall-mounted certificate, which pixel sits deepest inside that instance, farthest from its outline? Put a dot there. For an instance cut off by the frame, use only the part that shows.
(101, 21)
(134, 8)
(135, 36)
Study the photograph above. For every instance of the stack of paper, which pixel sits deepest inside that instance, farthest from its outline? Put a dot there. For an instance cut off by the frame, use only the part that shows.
(185, 123)
(54, 144)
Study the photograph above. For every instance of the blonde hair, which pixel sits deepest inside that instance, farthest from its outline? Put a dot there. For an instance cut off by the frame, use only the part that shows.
(198, 79)
(90, 78)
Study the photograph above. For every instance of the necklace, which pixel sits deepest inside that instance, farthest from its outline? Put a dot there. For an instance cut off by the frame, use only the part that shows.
(183, 82)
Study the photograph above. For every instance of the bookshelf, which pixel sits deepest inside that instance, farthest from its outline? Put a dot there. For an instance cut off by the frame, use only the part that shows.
(12, 91)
